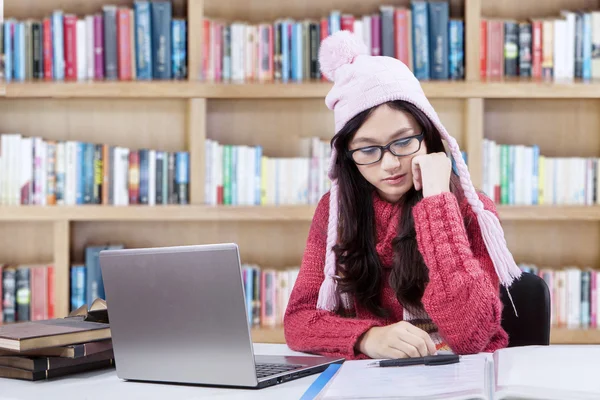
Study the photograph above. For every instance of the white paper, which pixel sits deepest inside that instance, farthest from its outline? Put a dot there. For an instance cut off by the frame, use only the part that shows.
(463, 380)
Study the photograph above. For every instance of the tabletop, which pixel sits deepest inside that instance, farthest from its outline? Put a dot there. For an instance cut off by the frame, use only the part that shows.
(104, 384)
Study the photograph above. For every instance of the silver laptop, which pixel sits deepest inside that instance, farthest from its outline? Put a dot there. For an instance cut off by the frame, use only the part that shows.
(178, 314)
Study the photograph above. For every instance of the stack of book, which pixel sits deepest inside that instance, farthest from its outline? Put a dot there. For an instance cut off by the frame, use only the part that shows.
(117, 43)
(422, 36)
(560, 48)
(49, 172)
(57, 347)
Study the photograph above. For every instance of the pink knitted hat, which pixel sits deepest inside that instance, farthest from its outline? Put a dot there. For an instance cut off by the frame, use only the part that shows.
(362, 81)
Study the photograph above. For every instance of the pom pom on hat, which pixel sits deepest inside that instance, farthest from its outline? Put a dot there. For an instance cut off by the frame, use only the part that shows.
(338, 50)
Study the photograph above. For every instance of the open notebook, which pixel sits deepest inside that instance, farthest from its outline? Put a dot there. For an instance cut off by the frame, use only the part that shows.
(544, 372)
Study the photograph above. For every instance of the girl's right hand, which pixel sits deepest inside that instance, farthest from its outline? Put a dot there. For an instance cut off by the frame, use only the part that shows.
(400, 340)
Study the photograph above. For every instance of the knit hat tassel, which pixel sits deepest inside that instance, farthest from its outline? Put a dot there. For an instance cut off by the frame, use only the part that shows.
(328, 295)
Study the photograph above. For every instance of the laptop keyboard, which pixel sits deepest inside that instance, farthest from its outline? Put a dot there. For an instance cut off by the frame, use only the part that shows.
(264, 370)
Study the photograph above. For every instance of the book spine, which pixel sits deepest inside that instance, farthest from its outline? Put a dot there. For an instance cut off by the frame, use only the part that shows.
(595, 21)
(19, 52)
(578, 72)
(9, 291)
(315, 35)
(81, 45)
(161, 39)
(26, 196)
(547, 50)
(28, 43)
(179, 35)
(511, 48)
(483, 49)
(99, 47)
(89, 47)
(387, 30)
(227, 65)
(70, 43)
(586, 72)
(525, 49)
(159, 177)
(134, 177)
(105, 170)
(171, 189)
(375, 35)
(438, 39)
(143, 187)
(456, 53)
(143, 44)
(110, 42)
(38, 50)
(124, 44)
(420, 39)
(536, 49)
(98, 163)
(151, 177)
(51, 173)
(23, 294)
(182, 177)
(8, 50)
(401, 30)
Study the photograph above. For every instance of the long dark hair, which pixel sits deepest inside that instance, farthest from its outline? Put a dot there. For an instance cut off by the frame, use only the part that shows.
(357, 259)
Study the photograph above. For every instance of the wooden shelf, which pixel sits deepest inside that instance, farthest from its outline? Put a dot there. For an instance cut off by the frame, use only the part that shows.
(252, 213)
(574, 336)
(184, 90)
(268, 335)
(557, 336)
(157, 213)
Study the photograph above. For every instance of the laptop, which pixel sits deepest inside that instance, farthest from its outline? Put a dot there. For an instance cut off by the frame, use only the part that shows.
(178, 315)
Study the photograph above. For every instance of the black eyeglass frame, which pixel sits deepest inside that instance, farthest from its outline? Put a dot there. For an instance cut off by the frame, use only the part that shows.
(420, 137)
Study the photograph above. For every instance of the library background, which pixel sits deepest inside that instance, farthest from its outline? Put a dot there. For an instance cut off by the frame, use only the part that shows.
(133, 124)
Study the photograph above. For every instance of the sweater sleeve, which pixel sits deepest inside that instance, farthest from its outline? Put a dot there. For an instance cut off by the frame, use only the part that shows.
(311, 330)
(462, 295)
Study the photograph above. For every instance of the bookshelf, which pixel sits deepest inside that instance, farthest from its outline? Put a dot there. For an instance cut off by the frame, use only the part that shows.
(180, 115)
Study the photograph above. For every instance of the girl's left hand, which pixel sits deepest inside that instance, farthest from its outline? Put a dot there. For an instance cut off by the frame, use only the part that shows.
(431, 173)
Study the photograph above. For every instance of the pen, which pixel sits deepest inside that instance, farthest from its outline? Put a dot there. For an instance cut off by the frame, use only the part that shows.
(427, 360)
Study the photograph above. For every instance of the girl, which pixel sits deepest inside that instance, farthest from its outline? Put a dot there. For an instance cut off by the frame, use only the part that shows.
(403, 257)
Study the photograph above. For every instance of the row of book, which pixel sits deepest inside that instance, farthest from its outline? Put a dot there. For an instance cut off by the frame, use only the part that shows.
(86, 278)
(46, 172)
(242, 175)
(118, 43)
(520, 175)
(422, 36)
(27, 292)
(559, 48)
(267, 293)
(574, 295)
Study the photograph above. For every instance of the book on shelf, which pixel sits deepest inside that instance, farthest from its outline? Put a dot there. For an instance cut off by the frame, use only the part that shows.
(48, 172)
(521, 175)
(574, 295)
(86, 279)
(115, 43)
(560, 47)
(267, 293)
(422, 36)
(27, 292)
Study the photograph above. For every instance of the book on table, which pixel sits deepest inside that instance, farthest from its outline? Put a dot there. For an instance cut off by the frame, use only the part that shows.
(80, 326)
(532, 373)
(46, 349)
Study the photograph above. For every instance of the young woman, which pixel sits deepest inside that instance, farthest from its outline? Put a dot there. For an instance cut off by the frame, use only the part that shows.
(403, 257)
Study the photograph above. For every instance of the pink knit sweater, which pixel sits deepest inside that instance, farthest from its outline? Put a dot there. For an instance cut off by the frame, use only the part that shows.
(461, 298)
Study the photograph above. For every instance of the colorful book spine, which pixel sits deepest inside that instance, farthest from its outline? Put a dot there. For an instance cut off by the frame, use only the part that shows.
(421, 39)
(456, 52)
(161, 39)
(143, 42)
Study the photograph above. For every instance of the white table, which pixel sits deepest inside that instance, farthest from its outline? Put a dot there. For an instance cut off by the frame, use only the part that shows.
(104, 385)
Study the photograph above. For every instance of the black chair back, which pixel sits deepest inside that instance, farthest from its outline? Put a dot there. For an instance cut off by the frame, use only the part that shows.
(532, 301)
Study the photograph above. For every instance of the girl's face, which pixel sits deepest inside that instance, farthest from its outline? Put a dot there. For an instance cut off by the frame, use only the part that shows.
(391, 175)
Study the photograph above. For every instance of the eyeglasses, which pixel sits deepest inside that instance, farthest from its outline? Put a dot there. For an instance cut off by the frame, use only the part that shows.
(400, 148)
